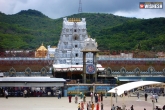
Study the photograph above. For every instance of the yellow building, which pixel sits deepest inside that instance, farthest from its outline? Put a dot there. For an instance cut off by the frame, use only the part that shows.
(41, 52)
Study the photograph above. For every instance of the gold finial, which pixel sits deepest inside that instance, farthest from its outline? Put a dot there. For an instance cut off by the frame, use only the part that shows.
(74, 19)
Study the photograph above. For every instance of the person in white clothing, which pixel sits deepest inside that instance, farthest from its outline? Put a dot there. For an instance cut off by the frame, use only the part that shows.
(6, 94)
(91, 96)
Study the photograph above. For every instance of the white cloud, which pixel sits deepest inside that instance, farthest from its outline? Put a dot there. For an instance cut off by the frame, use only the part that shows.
(61, 8)
(142, 13)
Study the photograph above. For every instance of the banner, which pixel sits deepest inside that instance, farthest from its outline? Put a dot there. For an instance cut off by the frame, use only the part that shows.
(90, 69)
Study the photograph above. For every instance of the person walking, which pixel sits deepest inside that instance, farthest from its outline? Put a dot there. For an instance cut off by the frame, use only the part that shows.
(78, 106)
(76, 99)
(25, 93)
(101, 106)
(156, 108)
(6, 94)
(156, 97)
(91, 96)
(138, 95)
(146, 95)
(101, 96)
(81, 95)
(95, 95)
(163, 107)
(82, 105)
(97, 98)
(132, 107)
(59, 95)
(88, 106)
(84, 98)
(113, 107)
(97, 106)
(93, 106)
(123, 106)
(105, 93)
(70, 98)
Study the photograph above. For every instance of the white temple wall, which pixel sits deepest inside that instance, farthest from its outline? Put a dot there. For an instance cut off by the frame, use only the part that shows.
(72, 40)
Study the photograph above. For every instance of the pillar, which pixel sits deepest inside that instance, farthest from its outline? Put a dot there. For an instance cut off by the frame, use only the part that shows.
(95, 63)
(111, 100)
(84, 67)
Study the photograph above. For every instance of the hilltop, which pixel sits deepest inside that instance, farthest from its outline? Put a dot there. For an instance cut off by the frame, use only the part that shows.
(29, 28)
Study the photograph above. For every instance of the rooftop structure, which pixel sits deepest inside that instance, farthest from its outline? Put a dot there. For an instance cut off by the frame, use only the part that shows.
(41, 52)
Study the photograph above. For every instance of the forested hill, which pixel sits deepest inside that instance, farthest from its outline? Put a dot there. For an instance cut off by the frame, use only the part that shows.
(29, 28)
(145, 34)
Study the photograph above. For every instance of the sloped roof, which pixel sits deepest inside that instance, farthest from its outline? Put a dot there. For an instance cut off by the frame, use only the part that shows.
(90, 46)
(31, 79)
(131, 85)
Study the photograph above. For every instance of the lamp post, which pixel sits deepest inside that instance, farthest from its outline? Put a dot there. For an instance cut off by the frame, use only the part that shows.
(111, 100)
(93, 91)
(78, 86)
(116, 94)
(153, 101)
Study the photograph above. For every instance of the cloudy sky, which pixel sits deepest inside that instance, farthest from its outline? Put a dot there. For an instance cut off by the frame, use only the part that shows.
(60, 8)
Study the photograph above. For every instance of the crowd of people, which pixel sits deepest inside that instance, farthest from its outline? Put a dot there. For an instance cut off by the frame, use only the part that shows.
(26, 93)
(96, 102)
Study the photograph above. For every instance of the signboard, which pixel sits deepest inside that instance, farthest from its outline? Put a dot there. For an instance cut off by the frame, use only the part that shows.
(151, 5)
(90, 69)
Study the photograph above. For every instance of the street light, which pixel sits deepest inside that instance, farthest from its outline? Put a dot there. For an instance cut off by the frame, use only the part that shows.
(93, 91)
(78, 86)
(153, 101)
(116, 94)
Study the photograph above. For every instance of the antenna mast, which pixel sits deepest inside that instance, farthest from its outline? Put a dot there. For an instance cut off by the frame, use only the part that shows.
(80, 7)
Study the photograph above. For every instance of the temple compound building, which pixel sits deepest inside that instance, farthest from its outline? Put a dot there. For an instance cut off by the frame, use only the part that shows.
(68, 60)
(72, 39)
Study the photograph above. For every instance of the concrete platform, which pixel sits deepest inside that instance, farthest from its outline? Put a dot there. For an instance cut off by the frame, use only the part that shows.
(53, 103)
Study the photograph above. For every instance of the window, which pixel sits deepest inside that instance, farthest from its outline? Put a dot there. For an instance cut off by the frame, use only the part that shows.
(75, 30)
(76, 55)
(75, 46)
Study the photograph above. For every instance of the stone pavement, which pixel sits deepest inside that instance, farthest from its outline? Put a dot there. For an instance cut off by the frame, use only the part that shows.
(53, 103)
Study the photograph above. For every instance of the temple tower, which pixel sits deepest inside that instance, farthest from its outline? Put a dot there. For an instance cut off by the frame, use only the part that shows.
(72, 41)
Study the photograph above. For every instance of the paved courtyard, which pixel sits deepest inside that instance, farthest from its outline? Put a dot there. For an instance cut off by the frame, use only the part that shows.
(53, 103)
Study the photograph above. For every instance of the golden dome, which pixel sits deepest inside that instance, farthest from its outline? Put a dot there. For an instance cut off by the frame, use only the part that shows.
(42, 48)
